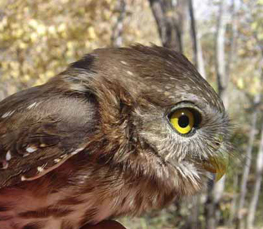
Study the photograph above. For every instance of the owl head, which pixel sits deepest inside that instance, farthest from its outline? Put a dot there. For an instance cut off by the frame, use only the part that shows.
(157, 115)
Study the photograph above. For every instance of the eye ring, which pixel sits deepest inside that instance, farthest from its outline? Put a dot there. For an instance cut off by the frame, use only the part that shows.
(184, 120)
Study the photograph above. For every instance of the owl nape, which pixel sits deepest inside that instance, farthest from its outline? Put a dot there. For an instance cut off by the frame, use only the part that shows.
(119, 132)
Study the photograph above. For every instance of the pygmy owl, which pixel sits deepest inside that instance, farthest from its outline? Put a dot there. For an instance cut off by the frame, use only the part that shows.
(120, 132)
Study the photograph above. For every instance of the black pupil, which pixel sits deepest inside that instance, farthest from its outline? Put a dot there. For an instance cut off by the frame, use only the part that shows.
(183, 121)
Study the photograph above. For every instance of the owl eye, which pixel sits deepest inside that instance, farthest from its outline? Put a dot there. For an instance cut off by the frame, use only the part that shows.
(183, 120)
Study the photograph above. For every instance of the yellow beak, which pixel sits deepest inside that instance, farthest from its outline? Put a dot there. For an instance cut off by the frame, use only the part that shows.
(216, 165)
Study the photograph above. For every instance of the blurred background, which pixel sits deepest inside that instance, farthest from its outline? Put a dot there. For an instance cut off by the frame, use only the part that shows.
(224, 39)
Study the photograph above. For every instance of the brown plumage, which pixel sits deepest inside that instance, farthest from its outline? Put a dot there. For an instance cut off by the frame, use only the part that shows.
(98, 141)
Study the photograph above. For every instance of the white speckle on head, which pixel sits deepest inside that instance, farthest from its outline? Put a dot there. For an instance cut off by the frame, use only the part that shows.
(130, 73)
(124, 62)
(31, 149)
(32, 105)
(8, 156)
(148, 77)
(43, 145)
(77, 87)
(166, 93)
(154, 87)
(7, 114)
(40, 169)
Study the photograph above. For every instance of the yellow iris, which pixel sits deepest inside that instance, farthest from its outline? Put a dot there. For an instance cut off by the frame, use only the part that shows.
(182, 120)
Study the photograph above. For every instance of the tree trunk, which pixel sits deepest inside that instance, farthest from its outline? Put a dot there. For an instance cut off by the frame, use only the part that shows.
(170, 17)
(233, 40)
(220, 63)
(197, 48)
(193, 31)
(116, 37)
(243, 189)
(210, 208)
(200, 59)
(215, 191)
(259, 166)
(256, 191)
(193, 220)
(233, 208)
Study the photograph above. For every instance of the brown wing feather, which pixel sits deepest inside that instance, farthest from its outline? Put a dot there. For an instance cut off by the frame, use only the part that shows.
(40, 128)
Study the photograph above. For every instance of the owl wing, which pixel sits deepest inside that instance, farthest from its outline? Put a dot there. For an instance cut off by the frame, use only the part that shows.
(41, 128)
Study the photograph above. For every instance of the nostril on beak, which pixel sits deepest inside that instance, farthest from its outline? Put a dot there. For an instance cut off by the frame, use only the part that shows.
(218, 141)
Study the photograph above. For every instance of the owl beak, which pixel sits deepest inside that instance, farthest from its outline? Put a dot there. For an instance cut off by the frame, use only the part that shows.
(216, 165)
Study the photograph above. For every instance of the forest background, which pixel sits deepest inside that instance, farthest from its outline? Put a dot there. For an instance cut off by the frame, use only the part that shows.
(223, 38)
